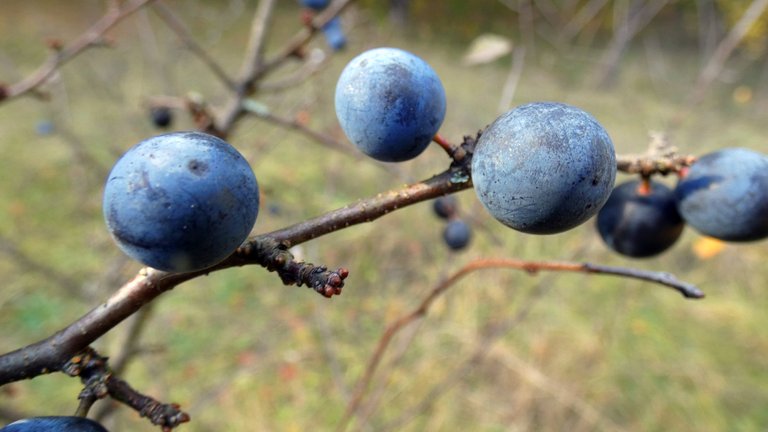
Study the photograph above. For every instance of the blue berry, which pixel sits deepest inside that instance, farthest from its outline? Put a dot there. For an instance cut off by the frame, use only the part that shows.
(161, 116)
(45, 128)
(334, 34)
(640, 220)
(725, 195)
(390, 104)
(54, 424)
(317, 5)
(181, 201)
(445, 206)
(544, 167)
(457, 234)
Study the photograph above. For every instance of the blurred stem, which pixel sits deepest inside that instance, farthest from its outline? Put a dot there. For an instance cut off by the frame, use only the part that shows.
(716, 62)
(531, 267)
(177, 26)
(254, 67)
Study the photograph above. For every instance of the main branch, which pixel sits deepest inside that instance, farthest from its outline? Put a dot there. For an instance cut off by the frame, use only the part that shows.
(270, 251)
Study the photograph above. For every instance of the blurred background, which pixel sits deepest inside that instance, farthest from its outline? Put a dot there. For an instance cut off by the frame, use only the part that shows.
(500, 350)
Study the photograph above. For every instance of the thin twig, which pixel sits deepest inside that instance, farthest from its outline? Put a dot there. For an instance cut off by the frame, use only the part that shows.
(315, 60)
(92, 37)
(660, 158)
(128, 350)
(666, 279)
(177, 26)
(301, 38)
(255, 68)
(325, 140)
(719, 57)
(100, 381)
(248, 77)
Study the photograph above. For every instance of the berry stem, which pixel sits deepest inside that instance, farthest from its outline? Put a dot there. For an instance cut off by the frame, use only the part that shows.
(644, 187)
(457, 153)
(444, 144)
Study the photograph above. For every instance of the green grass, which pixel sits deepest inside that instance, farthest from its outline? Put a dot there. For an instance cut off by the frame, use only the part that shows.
(237, 348)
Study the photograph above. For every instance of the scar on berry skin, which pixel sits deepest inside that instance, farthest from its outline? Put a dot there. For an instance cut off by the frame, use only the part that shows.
(197, 167)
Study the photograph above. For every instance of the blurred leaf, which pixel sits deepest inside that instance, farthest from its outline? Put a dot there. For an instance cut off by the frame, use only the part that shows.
(487, 48)
(707, 247)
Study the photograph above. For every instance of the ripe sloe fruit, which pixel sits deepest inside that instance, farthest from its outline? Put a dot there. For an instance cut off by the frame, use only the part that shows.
(161, 116)
(457, 234)
(317, 5)
(640, 220)
(54, 424)
(544, 167)
(334, 34)
(181, 201)
(445, 206)
(390, 103)
(725, 195)
(45, 127)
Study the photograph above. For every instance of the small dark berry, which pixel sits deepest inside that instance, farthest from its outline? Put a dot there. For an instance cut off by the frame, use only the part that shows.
(640, 219)
(162, 117)
(457, 234)
(445, 206)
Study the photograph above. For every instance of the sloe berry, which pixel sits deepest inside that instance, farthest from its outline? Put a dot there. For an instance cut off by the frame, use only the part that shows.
(544, 167)
(640, 219)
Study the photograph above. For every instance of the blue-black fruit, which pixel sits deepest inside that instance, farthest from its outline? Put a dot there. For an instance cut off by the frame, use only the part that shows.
(445, 206)
(45, 128)
(390, 104)
(334, 34)
(457, 234)
(317, 5)
(54, 424)
(180, 202)
(161, 116)
(640, 220)
(725, 195)
(544, 167)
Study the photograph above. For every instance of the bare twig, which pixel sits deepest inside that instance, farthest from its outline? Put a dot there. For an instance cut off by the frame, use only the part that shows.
(100, 381)
(92, 37)
(373, 208)
(255, 68)
(687, 290)
(622, 36)
(128, 349)
(660, 158)
(580, 20)
(724, 49)
(250, 68)
(315, 60)
(325, 140)
(178, 27)
(301, 38)
(50, 354)
(513, 78)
